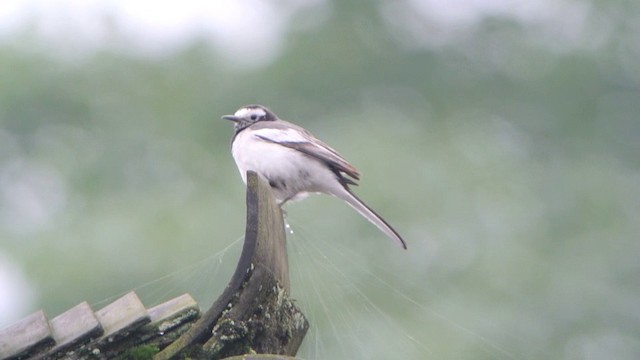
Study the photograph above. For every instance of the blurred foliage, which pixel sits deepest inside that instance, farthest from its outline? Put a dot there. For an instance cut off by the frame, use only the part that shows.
(507, 155)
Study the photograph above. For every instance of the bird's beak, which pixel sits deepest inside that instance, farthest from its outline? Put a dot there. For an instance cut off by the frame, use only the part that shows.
(231, 118)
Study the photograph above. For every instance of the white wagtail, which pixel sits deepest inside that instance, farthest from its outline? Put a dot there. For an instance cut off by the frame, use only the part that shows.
(294, 162)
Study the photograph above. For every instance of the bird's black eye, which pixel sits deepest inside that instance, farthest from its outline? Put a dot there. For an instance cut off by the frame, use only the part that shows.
(254, 116)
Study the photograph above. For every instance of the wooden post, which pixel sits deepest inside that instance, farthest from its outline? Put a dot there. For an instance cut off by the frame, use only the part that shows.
(254, 312)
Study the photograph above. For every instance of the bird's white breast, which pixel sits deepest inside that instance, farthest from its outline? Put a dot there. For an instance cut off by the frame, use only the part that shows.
(276, 162)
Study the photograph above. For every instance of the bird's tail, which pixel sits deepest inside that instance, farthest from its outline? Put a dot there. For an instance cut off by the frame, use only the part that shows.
(370, 215)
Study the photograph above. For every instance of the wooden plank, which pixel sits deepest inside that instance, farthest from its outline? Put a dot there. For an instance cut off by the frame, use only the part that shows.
(263, 262)
(268, 228)
(122, 316)
(263, 306)
(27, 336)
(201, 330)
(74, 326)
(172, 313)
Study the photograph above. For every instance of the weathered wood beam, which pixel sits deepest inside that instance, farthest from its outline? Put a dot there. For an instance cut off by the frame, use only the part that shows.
(254, 312)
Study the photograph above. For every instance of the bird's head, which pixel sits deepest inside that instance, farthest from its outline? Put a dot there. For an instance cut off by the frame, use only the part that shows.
(250, 114)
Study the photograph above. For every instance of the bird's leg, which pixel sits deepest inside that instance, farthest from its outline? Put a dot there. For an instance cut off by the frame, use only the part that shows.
(281, 204)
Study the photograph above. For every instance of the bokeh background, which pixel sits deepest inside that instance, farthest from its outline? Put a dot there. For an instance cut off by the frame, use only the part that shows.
(500, 137)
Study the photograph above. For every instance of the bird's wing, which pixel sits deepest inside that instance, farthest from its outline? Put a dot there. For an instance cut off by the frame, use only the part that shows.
(297, 138)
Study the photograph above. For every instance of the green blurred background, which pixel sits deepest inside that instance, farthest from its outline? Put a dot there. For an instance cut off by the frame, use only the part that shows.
(501, 138)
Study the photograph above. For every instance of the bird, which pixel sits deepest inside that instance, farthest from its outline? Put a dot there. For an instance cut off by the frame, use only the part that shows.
(295, 163)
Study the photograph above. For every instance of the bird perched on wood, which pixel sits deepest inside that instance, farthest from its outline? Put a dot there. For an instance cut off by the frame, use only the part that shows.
(295, 163)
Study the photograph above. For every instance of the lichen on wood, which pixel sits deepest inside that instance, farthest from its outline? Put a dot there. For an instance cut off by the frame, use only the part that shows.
(263, 321)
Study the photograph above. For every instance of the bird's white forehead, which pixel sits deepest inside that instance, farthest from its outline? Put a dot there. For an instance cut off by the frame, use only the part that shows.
(246, 112)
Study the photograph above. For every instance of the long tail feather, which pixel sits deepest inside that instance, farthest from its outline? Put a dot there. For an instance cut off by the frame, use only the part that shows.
(371, 215)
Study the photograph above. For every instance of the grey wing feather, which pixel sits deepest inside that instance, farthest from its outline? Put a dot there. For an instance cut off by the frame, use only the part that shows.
(323, 152)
